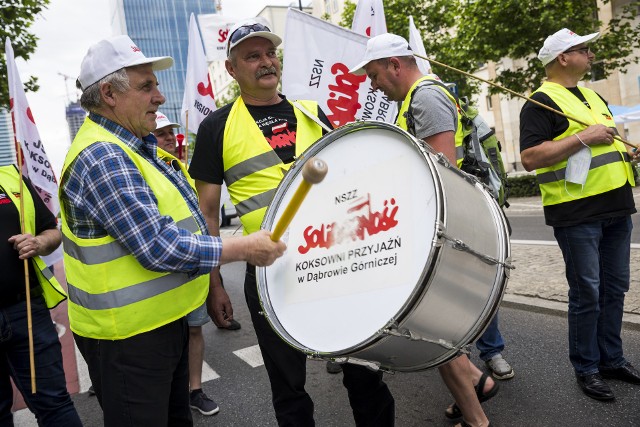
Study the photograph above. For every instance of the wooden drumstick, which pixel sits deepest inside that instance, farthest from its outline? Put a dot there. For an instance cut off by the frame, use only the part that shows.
(313, 172)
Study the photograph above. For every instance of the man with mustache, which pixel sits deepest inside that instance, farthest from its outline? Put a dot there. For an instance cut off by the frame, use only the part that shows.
(250, 144)
(136, 248)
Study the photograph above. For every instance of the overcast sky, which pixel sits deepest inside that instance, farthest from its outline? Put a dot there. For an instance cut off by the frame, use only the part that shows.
(66, 30)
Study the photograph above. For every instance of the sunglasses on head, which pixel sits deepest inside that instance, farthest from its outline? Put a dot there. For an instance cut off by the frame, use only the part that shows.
(244, 31)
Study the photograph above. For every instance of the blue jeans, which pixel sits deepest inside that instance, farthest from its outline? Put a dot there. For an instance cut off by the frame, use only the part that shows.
(490, 342)
(596, 255)
(51, 403)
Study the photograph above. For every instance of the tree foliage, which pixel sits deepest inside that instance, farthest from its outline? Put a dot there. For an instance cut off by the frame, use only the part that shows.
(16, 18)
(465, 34)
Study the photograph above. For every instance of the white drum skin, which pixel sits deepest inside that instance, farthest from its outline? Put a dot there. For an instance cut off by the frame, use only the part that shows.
(365, 257)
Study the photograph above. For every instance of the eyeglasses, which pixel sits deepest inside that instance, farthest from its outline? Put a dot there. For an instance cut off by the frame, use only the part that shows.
(586, 50)
(244, 31)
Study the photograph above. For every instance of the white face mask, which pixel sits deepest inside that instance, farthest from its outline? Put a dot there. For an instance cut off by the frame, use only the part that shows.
(578, 166)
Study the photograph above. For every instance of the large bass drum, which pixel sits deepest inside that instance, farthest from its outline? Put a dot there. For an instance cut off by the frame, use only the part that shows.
(396, 258)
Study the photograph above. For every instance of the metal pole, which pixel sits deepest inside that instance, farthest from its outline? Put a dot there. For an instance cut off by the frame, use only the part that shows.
(300, 5)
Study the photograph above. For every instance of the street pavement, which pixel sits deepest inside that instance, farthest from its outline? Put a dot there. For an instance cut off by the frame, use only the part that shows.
(543, 393)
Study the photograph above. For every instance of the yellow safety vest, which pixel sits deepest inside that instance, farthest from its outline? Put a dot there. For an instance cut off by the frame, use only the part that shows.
(401, 121)
(112, 296)
(252, 170)
(610, 167)
(10, 181)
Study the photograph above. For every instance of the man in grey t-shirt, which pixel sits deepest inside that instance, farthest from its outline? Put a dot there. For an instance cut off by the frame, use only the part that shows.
(432, 116)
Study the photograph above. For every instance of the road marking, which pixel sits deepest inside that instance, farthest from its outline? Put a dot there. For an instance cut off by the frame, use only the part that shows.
(250, 355)
(553, 243)
(84, 381)
(208, 374)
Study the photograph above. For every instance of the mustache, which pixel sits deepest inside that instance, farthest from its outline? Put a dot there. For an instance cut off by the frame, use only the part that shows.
(265, 71)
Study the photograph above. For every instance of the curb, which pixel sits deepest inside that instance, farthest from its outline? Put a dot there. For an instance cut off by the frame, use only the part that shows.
(557, 308)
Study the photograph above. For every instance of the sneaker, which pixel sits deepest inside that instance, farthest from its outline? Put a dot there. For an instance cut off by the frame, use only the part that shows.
(334, 367)
(200, 401)
(234, 325)
(500, 368)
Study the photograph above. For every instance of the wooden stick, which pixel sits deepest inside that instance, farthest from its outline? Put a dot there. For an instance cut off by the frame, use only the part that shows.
(186, 139)
(313, 172)
(514, 93)
(32, 363)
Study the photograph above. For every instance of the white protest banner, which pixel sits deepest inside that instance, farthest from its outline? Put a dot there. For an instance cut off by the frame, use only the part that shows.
(198, 92)
(369, 19)
(215, 30)
(416, 44)
(35, 164)
(317, 59)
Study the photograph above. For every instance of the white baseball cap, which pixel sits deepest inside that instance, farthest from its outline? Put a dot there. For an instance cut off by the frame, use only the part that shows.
(257, 27)
(163, 121)
(382, 46)
(561, 41)
(112, 54)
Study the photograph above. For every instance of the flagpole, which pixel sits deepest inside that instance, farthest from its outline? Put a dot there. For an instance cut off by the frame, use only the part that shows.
(186, 137)
(26, 279)
(514, 93)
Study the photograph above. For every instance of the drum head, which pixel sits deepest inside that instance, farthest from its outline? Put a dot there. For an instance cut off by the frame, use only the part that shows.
(359, 245)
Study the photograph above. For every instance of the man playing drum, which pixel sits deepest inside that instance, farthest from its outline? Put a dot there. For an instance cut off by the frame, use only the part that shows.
(249, 144)
(392, 68)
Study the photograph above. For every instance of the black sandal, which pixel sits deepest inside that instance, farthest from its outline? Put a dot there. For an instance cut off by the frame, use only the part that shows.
(482, 397)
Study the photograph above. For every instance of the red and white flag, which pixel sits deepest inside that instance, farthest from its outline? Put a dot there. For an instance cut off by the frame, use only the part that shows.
(417, 45)
(35, 164)
(215, 30)
(198, 92)
(369, 19)
(322, 74)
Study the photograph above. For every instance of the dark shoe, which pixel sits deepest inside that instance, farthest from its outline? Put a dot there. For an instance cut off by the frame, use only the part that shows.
(625, 372)
(594, 386)
(200, 401)
(333, 367)
(453, 412)
(234, 325)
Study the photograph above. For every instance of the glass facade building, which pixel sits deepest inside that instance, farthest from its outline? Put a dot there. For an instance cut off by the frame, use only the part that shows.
(161, 28)
(7, 145)
(75, 117)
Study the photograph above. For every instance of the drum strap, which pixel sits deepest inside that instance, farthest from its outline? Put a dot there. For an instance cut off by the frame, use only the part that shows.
(311, 116)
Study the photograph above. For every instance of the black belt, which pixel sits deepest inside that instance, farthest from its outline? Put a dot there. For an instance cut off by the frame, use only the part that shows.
(22, 296)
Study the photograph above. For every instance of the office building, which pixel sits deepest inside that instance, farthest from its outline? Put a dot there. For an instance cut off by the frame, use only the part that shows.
(75, 117)
(161, 28)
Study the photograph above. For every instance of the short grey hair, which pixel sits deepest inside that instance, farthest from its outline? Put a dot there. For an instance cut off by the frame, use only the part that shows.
(91, 98)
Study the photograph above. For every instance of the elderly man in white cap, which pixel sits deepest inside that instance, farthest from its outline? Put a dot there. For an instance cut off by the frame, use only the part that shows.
(263, 132)
(136, 248)
(585, 178)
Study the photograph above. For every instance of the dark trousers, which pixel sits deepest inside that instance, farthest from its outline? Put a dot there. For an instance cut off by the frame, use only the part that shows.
(51, 403)
(371, 401)
(142, 380)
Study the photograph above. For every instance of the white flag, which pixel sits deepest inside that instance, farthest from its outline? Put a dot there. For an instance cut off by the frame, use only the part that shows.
(35, 164)
(369, 19)
(198, 92)
(416, 44)
(215, 30)
(322, 75)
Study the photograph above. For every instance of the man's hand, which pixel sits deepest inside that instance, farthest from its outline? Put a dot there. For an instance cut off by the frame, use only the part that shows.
(219, 306)
(597, 134)
(261, 250)
(27, 245)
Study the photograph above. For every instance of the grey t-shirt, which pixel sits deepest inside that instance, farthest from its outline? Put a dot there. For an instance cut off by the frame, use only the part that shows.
(433, 112)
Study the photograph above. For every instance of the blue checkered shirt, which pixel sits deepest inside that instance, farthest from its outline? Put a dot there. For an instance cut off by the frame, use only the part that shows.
(103, 193)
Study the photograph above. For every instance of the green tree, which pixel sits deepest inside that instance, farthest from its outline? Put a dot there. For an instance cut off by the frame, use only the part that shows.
(465, 34)
(16, 18)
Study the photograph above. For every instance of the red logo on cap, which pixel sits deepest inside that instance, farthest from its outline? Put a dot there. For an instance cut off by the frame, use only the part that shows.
(135, 48)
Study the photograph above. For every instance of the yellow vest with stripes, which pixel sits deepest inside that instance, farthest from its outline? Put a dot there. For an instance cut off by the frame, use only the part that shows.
(111, 295)
(10, 181)
(252, 170)
(610, 167)
(401, 121)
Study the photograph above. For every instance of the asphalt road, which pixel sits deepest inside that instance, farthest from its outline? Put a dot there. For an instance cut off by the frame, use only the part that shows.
(543, 392)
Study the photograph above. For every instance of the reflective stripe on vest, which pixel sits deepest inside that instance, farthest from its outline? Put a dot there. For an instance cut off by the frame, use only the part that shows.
(252, 170)
(10, 181)
(610, 167)
(401, 120)
(112, 296)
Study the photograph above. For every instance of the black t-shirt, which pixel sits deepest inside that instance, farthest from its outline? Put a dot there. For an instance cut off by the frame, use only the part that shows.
(12, 277)
(278, 125)
(538, 125)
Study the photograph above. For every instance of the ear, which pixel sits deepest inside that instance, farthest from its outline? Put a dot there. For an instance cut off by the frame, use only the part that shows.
(229, 66)
(107, 94)
(395, 63)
